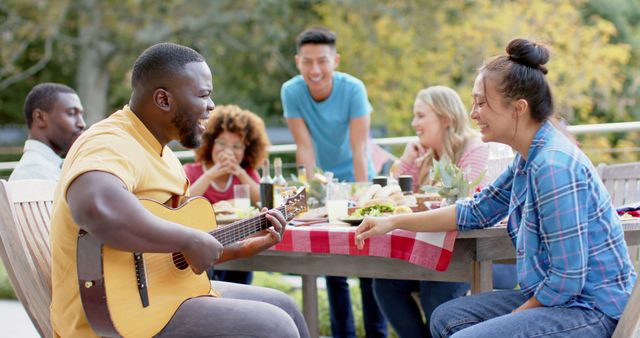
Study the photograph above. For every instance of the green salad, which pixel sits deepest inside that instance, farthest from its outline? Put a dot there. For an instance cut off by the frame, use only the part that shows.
(373, 210)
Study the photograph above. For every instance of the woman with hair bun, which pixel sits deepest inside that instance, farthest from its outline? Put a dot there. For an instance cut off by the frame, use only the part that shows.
(441, 122)
(573, 268)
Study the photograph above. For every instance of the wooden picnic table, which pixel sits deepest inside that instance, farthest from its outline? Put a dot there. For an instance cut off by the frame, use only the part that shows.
(471, 261)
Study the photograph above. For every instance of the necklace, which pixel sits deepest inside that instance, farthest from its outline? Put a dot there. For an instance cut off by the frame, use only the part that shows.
(226, 186)
(215, 186)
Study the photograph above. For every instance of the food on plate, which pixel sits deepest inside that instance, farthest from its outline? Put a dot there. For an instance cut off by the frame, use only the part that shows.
(223, 208)
(402, 209)
(389, 195)
(398, 198)
(410, 200)
(369, 193)
(386, 191)
(377, 201)
(378, 209)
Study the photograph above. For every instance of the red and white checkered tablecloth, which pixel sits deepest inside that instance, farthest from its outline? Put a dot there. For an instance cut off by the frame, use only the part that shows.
(429, 250)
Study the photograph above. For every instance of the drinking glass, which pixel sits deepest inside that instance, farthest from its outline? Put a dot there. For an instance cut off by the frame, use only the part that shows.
(382, 180)
(241, 197)
(337, 201)
(406, 183)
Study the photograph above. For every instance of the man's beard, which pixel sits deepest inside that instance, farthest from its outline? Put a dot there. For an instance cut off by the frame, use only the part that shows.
(187, 130)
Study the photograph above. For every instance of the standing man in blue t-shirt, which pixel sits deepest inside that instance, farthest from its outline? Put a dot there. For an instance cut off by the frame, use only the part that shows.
(328, 113)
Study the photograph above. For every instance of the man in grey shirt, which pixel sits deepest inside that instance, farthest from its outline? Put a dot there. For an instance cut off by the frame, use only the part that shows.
(53, 113)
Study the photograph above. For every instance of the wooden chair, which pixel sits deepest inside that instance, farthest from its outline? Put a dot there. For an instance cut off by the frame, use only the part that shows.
(622, 182)
(629, 324)
(25, 209)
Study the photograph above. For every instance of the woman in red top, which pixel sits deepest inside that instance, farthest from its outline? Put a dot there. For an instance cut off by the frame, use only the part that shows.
(233, 145)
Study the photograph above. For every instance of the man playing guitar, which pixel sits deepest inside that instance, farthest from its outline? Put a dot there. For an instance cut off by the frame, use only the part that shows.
(124, 159)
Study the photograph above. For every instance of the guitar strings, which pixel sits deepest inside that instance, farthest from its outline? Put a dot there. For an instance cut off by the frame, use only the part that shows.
(228, 234)
(255, 225)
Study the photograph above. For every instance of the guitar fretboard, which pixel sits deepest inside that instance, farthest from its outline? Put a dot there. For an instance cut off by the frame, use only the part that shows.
(239, 230)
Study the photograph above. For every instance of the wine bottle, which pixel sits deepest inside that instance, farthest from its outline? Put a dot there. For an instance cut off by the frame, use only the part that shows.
(278, 178)
(266, 172)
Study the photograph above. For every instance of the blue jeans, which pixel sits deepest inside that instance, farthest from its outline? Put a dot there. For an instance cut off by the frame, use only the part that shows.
(342, 323)
(397, 304)
(504, 276)
(489, 315)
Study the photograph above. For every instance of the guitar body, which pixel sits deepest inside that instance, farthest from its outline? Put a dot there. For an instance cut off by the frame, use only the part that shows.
(135, 294)
(167, 285)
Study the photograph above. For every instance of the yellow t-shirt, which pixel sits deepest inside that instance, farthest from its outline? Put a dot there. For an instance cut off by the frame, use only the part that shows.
(123, 146)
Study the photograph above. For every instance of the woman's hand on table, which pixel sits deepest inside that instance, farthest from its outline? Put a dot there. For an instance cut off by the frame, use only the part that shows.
(373, 226)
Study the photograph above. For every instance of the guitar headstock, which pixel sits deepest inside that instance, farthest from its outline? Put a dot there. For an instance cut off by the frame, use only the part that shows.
(296, 203)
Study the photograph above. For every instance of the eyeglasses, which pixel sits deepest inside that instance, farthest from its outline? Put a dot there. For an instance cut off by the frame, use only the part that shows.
(233, 146)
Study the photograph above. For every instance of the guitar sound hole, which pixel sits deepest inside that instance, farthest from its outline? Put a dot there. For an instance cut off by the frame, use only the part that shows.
(179, 261)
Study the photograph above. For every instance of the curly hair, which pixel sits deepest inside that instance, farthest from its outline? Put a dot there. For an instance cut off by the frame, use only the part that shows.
(233, 119)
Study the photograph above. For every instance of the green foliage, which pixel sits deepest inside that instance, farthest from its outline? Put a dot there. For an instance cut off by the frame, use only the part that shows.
(316, 187)
(249, 45)
(6, 291)
(395, 47)
(452, 181)
(398, 48)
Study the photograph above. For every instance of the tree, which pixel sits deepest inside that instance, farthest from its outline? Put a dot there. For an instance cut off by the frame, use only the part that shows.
(99, 40)
(400, 48)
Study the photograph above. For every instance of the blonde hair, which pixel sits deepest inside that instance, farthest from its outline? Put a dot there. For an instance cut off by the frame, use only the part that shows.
(447, 104)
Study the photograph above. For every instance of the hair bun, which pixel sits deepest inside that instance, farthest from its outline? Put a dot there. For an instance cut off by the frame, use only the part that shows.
(528, 53)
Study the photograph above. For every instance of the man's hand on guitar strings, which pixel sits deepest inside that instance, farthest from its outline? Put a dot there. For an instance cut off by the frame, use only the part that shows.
(200, 249)
(278, 222)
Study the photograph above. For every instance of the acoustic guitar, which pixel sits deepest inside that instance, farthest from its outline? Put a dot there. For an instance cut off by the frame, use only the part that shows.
(136, 294)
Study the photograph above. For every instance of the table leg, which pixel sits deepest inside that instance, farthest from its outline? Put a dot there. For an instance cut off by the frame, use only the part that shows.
(482, 276)
(310, 304)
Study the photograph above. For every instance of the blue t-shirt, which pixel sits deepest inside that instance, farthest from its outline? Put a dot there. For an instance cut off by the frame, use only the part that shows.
(328, 120)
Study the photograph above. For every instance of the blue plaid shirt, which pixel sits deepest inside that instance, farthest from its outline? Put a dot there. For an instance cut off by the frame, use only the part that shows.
(569, 242)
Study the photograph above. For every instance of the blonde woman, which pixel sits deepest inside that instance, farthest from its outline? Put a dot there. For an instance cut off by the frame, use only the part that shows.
(442, 125)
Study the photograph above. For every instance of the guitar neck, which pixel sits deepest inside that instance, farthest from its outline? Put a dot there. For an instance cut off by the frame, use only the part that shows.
(239, 230)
